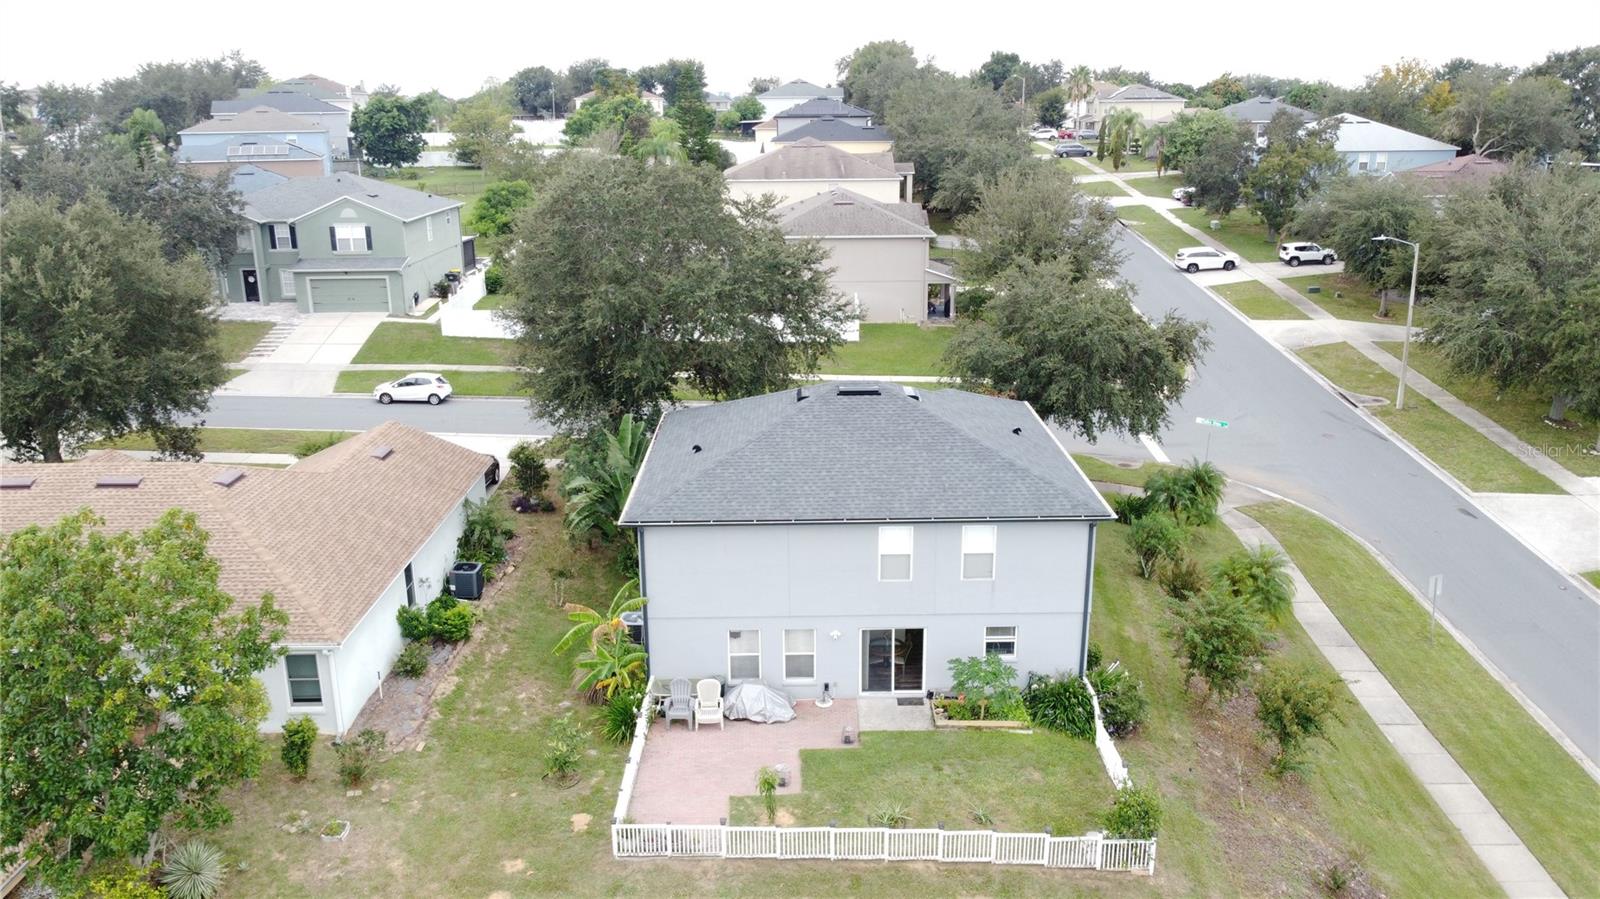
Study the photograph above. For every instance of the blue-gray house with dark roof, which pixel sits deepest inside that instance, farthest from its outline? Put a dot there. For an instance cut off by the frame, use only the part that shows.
(858, 537)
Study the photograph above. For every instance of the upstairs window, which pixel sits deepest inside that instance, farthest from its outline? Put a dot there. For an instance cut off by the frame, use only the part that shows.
(894, 553)
(977, 552)
(351, 238)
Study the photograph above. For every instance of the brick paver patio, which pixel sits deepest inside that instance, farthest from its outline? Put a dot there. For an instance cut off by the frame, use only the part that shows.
(686, 777)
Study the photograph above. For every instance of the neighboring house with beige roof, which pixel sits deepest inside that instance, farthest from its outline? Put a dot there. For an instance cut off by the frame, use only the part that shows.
(1152, 104)
(878, 253)
(342, 540)
(809, 167)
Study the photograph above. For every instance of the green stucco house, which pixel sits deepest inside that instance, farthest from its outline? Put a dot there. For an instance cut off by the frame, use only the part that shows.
(344, 243)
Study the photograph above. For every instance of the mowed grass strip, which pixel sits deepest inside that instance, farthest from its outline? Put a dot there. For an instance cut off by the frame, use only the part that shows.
(1150, 224)
(1160, 186)
(236, 339)
(889, 349)
(1232, 829)
(1256, 300)
(1130, 163)
(1097, 469)
(230, 440)
(1468, 455)
(423, 345)
(1351, 298)
(1519, 410)
(1102, 189)
(1545, 795)
(1239, 231)
(462, 383)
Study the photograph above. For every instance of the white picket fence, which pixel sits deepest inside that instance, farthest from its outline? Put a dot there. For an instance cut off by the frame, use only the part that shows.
(881, 844)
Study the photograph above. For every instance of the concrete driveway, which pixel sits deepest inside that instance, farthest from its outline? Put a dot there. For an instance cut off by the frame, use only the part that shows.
(327, 338)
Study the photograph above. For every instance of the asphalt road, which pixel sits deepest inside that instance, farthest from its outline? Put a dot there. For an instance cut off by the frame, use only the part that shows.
(1288, 434)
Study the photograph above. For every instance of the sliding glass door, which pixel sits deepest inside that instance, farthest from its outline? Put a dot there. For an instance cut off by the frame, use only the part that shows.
(891, 660)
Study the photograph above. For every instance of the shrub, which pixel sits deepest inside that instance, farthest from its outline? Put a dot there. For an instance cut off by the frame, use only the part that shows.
(1094, 655)
(441, 289)
(1155, 538)
(767, 787)
(124, 883)
(193, 871)
(956, 709)
(621, 716)
(1122, 701)
(1219, 640)
(413, 623)
(891, 815)
(1260, 577)
(973, 300)
(1295, 704)
(494, 280)
(1190, 492)
(357, 756)
(1135, 814)
(299, 735)
(1182, 579)
(454, 624)
(1060, 703)
(484, 534)
(1130, 507)
(986, 683)
(413, 661)
(313, 445)
(563, 749)
(528, 473)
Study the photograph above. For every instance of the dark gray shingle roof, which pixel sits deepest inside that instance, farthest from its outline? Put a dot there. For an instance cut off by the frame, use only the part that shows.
(800, 89)
(948, 456)
(821, 106)
(255, 119)
(1262, 109)
(833, 131)
(294, 198)
(291, 102)
(845, 213)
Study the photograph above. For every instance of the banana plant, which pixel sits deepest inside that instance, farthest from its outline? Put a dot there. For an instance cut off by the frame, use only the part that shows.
(600, 626)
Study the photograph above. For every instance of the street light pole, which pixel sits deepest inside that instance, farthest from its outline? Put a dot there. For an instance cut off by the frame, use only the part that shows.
(1411, 305)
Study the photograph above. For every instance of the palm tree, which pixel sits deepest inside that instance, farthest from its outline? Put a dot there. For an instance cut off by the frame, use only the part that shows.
(595, 498)
(600, 625)
(1259, 577)
(1119, 130)
(1080, 86)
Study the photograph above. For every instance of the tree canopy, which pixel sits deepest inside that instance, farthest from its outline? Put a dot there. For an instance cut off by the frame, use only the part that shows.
(388, 130)
(958, 135)
(131, 697)
(873, 72)
(103, 334)
(1297, 160)
(1351, 211)
(495, 210)
(481, 130)
(626, 275)
(1035, 213)
(1218, 167)
(624, 117)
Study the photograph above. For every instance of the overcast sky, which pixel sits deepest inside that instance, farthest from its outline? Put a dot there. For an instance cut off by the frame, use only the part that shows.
(456, 48)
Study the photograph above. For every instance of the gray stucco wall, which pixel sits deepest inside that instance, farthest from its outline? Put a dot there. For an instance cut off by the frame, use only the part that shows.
(890, 275)
(705, 581)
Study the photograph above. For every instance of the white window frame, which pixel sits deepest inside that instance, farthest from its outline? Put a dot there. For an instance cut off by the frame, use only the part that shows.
(1363, 162)
(290, 679)
(993, 533)
(788, 654)
(339, 238)
(286, 282)
(429, 222)
(888, 532)
(989, 638)
(744, 655)
(1380, 162)
(283, 236)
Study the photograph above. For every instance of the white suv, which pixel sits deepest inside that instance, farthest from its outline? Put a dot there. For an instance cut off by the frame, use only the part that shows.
(1193, 259)
(1296, 253)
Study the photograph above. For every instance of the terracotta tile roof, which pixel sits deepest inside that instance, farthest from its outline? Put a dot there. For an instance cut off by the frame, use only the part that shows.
(326, 537)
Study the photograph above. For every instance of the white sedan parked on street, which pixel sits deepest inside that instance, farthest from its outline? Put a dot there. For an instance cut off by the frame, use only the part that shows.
(417, 387)
(1193, 259)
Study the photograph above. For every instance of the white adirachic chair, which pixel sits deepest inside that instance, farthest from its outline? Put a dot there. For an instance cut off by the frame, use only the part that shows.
(708, 702)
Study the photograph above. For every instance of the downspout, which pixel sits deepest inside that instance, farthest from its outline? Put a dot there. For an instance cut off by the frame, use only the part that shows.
(639, 542)
(255, 258)
(1088, 602)
(333, 678)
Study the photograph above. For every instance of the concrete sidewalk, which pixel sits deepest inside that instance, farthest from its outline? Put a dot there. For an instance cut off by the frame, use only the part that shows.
(1491, 838)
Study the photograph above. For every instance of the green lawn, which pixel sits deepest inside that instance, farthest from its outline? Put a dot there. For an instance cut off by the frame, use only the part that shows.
(464, 383)
(1129, 164)
(1447, 440)
(941, 222)
(457, 182)
(1256, 300)
(1230, 828)
(1546, 797)
(229, 440)
(237, 339)
(1097, 469)
(492, 301)
(423, 345)
(1352, 299)
(886, 349)
(1102, 189)
(1167, 237)
(1241, 232)
(1519, 410)
(1592, 577)
(1024, 782)
(1160, 186)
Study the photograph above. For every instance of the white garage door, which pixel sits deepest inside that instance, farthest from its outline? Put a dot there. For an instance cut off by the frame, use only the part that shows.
(349, 294)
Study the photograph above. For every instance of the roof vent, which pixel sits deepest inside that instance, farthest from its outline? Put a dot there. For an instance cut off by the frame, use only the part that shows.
(912, 392)
(382, 451)
(695, 449)
(228, 477)
(859, 390)
(16, 483)
(1017, 431)
(800, 395)
(119, 480)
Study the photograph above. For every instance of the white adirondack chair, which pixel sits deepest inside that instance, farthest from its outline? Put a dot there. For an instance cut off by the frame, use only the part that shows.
(708, 702)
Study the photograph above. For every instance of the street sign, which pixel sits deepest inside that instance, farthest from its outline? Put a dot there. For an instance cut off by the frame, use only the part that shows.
(1435, 588)
(1211, 422)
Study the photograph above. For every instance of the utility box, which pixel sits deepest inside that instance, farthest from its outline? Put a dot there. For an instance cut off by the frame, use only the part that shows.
(466, 580)
(634, 622)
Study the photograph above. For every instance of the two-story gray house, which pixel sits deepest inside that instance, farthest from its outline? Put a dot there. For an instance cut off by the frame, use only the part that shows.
(343, 243)
(859, 536)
